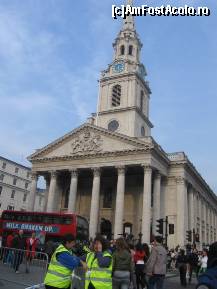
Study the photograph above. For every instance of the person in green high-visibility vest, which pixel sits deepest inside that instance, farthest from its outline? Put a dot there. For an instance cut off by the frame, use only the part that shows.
(62, 263)
(99, 266)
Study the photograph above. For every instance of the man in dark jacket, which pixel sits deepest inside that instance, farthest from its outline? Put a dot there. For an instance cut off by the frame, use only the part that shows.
(193, 263)
(19, 244)
(208, 280)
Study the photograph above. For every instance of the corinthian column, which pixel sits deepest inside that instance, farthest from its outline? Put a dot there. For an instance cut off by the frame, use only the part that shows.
(156, 205)
(192, 212)
(52, 192)
(33, 189)
(47, 180)
(182, 211)
(119, 207)
(94, 209)
(146, 207)
(73, 191)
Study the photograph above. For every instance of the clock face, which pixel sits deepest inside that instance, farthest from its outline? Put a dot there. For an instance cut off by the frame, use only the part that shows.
(113, 125)
(118, 66)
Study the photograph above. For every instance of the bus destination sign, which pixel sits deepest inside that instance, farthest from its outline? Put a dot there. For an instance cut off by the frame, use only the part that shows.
(31, 227)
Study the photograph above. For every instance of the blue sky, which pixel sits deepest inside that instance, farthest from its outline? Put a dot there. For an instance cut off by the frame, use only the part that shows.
(51, 54)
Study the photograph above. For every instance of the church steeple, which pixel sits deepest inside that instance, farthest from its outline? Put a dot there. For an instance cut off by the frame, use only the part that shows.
(124, 93)
(127, 45)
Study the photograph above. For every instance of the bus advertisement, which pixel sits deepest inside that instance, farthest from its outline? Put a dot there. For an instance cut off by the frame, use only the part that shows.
(46, 225)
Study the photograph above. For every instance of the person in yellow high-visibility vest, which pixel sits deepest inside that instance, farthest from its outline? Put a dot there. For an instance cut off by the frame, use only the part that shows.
(99, 263)
(62, 264)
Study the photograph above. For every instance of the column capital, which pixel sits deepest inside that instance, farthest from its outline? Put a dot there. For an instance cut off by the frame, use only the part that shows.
(96, 172)
(121, 170)
(34, 176)
(53, 174)
(158, 175)
(147, 168)
(180, 180)
(74, 173)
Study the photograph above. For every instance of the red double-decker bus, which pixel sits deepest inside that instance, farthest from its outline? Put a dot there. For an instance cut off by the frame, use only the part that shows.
(50, 225)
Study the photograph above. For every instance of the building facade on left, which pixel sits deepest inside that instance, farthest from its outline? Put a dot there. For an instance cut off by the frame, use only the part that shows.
(15, 185)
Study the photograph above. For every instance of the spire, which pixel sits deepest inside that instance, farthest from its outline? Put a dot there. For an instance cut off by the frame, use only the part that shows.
(129, 21)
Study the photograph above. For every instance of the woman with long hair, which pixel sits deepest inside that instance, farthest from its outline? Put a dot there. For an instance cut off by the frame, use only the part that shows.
(122, 265)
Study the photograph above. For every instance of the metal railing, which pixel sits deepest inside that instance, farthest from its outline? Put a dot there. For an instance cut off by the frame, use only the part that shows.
(31, 266)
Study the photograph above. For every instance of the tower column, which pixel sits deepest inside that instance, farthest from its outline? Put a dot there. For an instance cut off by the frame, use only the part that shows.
(119, 207)
(94, 209)
(73, 191)
(182, 211)
(192, 212)
(52, 192)
(33, 190)
(146, 205)
(156, 205)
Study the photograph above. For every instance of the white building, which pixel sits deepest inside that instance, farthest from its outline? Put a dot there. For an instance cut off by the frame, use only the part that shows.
(15, 184)
(113, 172)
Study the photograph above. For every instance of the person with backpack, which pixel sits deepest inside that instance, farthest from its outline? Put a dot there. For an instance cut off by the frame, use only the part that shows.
(208, 280)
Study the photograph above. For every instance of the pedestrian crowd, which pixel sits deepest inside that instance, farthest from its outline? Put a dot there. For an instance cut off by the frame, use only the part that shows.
(114, 265)
(190, 260)
(17, 247)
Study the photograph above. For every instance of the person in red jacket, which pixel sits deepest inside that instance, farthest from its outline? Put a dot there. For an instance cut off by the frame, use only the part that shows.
(139, 259)
(8, 252)
(31, 245)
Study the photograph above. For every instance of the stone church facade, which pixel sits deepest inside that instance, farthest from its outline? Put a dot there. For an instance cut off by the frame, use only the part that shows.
(112, 171)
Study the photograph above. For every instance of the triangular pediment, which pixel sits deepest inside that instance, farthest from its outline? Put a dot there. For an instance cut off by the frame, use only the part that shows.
(89, 140)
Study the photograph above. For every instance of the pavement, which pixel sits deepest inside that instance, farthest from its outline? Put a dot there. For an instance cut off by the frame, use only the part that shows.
(10, 280)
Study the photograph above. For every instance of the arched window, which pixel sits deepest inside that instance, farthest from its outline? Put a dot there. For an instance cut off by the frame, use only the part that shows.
(122, 50)
(131, 50)
(116, 95)
(141, 100)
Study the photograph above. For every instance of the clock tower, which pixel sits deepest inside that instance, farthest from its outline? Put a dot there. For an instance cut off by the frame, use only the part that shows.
(124, 93)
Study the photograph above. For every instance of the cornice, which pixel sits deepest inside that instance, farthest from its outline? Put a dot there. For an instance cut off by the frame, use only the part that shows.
(15, 176)
(94, 155)
(116, 110)
(14, 187)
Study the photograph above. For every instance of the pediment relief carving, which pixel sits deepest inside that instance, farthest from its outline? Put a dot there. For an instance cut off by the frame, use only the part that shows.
(89, 142)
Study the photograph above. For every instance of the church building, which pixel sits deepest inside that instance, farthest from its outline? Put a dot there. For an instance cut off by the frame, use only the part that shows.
(111, 170)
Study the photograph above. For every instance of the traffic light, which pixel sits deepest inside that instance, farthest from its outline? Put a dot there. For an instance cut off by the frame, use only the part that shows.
(188, 236)
(160, 226)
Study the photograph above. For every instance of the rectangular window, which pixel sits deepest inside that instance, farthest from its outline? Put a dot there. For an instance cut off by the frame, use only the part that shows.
(16, 170)
(24, 198)
(0, 205)
(107, 198)
(12, 194)
(11, 208)
(14, 182)
(0, 191)
(4, 165)
(27, 175)
(26, 185)
(1, 177)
